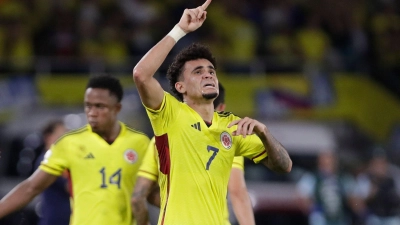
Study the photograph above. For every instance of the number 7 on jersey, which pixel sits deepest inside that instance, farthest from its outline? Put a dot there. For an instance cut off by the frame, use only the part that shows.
(215, 151)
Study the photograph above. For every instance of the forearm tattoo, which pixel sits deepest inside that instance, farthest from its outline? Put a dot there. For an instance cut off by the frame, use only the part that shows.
(139, 203)
(278, 158)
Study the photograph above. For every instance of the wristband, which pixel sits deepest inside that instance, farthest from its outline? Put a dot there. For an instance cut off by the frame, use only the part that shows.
(176, 33)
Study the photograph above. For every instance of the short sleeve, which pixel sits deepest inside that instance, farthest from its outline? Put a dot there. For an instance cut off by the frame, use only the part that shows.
(252, 147)
(149, 167)
(160, 119)
(238, 162)
(55, 161)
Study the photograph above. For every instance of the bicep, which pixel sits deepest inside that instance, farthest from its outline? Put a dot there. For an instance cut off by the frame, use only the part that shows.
(151, 93)
(143, 187)
(40, 180)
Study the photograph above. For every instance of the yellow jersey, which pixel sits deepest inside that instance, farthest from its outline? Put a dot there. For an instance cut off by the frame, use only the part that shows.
(195, 161)
(149, 169)
(103, 175)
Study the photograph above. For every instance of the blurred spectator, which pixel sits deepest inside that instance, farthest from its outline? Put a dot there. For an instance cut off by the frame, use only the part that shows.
(235, 37)
(386, 33)
(54, 203)
(324, 195)
(313, 43)
(379, 192)
(275, 36)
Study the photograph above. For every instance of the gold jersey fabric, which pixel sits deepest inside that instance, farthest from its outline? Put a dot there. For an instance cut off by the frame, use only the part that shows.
(103, 175)
(195, 162)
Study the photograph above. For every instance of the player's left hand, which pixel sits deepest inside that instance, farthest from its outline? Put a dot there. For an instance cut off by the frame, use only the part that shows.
(247, 126)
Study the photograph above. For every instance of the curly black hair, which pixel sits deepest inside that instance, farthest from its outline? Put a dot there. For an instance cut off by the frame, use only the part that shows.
(192, 52)
(108, 82)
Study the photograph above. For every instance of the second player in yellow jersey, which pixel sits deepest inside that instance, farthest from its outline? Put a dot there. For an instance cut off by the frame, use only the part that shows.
(101, 182)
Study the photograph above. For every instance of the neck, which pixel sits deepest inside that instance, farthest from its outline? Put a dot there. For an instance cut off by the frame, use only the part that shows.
(111, 134)
(206, 110)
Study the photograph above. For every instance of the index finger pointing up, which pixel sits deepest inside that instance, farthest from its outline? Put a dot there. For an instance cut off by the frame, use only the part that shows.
(205, 5)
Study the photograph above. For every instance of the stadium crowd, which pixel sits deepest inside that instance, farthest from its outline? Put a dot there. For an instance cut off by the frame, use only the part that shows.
(282, 35)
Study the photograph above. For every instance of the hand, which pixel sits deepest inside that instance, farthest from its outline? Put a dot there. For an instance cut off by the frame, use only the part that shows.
(192, 19)
(247, 126)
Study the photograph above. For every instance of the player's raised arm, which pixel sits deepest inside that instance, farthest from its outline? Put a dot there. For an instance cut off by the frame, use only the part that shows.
(151, 92)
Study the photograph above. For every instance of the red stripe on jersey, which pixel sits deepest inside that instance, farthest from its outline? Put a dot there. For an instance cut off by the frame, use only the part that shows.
(69, 179)
(163, 153)
(165, 163)
(259, 155)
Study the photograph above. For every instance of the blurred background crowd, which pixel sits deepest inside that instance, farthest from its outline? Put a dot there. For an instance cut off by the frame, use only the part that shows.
(281, 35)
(324, 75)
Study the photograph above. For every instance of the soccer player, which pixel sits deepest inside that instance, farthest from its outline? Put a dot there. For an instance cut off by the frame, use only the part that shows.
(195, 144)
(146, 184)
(55, 206)
(102, 157)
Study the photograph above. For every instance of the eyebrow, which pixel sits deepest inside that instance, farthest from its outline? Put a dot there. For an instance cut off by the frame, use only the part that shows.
(201, 67)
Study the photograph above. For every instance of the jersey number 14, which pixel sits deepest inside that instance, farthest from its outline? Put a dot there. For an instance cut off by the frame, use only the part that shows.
(114, 179)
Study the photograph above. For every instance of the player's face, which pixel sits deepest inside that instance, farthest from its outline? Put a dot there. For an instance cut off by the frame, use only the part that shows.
(101, 109)
(200, 79)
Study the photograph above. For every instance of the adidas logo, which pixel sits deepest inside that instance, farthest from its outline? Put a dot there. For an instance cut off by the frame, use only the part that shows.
(89, 156)
(196, 126)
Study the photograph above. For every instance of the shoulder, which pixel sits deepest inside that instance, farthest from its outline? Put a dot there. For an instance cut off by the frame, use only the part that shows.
(227, 115)
(133, 131)
(168, 97)
(224, 114)
(72, 134)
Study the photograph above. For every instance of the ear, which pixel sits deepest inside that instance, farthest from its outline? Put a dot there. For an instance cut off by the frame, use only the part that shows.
(180, 87)
(118, 107)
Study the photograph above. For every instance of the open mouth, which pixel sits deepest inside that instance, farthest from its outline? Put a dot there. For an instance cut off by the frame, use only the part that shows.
(209, 85)
(92, 123)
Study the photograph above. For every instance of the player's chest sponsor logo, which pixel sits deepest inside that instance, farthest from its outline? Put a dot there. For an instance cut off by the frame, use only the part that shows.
(226, 140)
(130, 156)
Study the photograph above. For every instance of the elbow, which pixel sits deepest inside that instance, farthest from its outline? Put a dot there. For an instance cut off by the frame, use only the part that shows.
(138, 75)
(289, 168)
(33, 191)
(136, 203)
(135, 200)
(237, 194)
(286, 168)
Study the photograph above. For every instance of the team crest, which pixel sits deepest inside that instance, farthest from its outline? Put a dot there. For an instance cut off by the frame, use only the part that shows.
(226, 140)
(130, 156)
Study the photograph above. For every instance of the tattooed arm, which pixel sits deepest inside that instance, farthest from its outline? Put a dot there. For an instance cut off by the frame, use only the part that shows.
(278, 159)
(143, 189)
